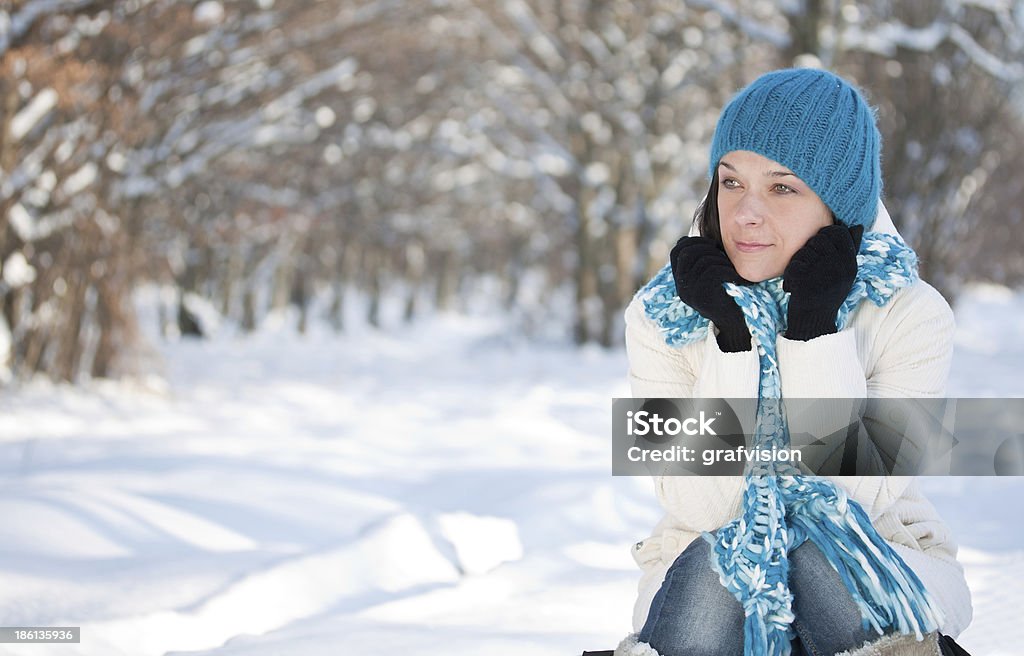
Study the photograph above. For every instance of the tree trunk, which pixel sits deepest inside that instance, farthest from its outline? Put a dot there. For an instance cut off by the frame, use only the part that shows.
(106, 349)
(374, 290)
(249, 310)
(300, 296)
(446, 281)
(188, 323)
(804, 30)
(70, 341)
(336, 313)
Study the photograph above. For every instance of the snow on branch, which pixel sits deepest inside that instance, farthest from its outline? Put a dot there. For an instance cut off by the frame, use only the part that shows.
(29, 117)
(757, 31)
(884, 40)
(542, 79)
(14, 26)
(515, 115)
(536, 39)
(292, 99)
(994, 66)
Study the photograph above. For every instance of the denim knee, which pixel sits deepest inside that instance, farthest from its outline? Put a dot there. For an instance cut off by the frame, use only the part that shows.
(828, 620)
(693, 614)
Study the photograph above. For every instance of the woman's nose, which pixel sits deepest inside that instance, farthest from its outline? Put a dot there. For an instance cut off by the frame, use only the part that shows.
(750, 210)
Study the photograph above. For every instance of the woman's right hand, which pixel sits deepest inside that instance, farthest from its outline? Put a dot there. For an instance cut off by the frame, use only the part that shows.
(700, 269)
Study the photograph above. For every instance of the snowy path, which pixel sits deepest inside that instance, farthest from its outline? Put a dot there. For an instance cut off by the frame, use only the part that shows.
(324, 496)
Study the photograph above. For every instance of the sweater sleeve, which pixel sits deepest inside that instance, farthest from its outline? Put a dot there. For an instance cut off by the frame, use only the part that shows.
(656, 370)
(694, 503)
(914, 344)
(701, 368)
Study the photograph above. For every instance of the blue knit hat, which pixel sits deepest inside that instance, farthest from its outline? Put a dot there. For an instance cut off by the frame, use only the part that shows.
(817, 125)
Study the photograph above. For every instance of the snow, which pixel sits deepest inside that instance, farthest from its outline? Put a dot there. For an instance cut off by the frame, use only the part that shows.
(324, 116)
(989, 343)
(209, 12)
(34, 111)
(439, 488)
(80, 179)
(17, 272)
(481, 543)
(22, 222)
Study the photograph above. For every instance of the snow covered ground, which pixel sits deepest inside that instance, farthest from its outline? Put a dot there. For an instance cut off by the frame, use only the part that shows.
(441, 489)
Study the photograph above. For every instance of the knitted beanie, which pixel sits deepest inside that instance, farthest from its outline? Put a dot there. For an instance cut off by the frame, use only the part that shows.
(816, 124)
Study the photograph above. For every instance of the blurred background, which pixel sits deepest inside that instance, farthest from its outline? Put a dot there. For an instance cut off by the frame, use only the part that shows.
(537, 158)
(310, 311)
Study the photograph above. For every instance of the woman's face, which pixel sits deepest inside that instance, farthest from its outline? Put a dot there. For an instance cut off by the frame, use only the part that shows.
(765, 214)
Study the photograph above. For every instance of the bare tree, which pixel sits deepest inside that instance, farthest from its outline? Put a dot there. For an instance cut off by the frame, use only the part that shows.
(252, 157)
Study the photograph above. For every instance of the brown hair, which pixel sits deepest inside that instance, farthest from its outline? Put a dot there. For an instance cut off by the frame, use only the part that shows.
(706, 215)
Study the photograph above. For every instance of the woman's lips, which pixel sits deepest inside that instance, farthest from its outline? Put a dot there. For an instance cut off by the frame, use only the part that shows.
(750, 246)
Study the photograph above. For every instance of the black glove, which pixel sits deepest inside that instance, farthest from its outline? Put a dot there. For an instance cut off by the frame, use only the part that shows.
(700, 268)
(819, 278)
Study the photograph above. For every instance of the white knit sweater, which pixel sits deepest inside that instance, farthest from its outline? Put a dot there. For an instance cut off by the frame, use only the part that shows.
(900, 350)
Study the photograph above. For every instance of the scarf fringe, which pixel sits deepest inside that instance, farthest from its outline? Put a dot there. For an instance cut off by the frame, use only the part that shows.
(887, 591)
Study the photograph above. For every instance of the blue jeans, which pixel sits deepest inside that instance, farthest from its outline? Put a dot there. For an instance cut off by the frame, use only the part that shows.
(694, 615)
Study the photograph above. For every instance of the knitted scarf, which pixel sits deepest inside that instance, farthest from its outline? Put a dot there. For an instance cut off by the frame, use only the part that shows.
(781, 506)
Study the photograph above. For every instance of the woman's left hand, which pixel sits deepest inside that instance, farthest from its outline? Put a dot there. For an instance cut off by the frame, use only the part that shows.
(819, 278)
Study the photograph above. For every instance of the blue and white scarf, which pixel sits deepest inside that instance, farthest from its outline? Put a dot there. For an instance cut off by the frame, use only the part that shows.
(781, 506)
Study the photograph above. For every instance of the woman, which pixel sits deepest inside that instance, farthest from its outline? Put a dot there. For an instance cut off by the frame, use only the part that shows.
(779, 292)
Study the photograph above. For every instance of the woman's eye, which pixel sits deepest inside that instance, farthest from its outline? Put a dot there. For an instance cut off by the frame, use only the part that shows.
(729, 183)
(784, 189)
